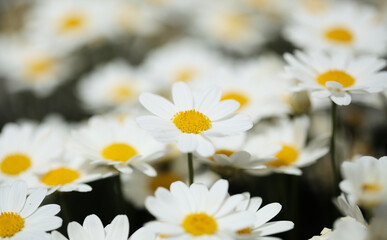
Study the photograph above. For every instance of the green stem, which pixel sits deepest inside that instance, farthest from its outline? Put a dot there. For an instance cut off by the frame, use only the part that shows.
(190, 168)
(333, 148)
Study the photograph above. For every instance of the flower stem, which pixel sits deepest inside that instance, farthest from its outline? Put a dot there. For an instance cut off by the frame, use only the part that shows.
(333, 147)
(190, 168)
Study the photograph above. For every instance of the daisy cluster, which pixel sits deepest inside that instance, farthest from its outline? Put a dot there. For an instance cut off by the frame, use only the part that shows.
(253, 94)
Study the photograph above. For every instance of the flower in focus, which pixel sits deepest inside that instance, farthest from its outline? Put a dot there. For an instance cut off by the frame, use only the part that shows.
(109, 141)
(287, 143)
(34, 66)
(365, 180)
(115, 85)
(20, 214)
(197, 212)
(24, 148)
(336, 75)
(344, 26)
(192, 118)
(261, 226)
(92, 228)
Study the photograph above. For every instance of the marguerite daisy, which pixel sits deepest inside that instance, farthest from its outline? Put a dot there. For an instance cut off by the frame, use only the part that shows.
(92, 228)
(20, 215)
(24, 148)
(336, 75)
(261, 226)
(365, 179)
(288, 143)
(109, 141)
(344, 26)
(193, 118)
(197, 212)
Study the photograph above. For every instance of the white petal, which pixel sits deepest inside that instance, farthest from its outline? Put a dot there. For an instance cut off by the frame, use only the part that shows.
(33, 201)
(182, 96)
(208, 99)
(119, 228)
(222, 109)
(231, 126)
(187, 142)
(267, 213)
(146, 169)
(237, 221)
(275, 227)
(15, 198)
(75, 231)
(205, 147)
(94, 227)
(57, 236)
(341, 98)
(157, 105)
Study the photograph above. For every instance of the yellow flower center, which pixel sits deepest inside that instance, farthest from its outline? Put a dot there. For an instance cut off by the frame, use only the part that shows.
(226, 152)
(245, 231)
(60, 176)
(121, 93)
(286, 157)
(339, 35)
(72, 22)
(10, 224)
(120, 152)
(39, 66)
(198, 224)
(164, 180)
(371, 187)
(15, 164)
(233, 25)
(337, 76)
(237, 96)
(185, 74)
(191, 121)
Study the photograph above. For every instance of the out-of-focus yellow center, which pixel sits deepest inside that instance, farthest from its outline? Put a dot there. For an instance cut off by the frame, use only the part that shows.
(10, 224)
(121, 93)
(337, 76)
(245, 231)
(15, 164)
(72, 22)
(371, 187)
(120, 152)
(237, 96)
(185, 74)
(191, 121)
(339, 35)
(198, 224)
(37, 67)
(233, 25)
(164, 180)
(60, 176)
(286, 157)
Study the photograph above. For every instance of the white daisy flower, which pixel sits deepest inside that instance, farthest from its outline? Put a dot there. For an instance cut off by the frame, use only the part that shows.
(192, 119)
(92, 228)
(261, 226)
(227, 24)
(25, 148)
(67, 24)
(115, 85)
(20, 214)
(344, 26)
(137, 187)
(348, 207)
(287, 143)
(365, 179)
(28, 65)
(336, 75)
(181, 61)
(108, 141)
(348, 228)
(230, 153)
(197, 212)
(144, 233)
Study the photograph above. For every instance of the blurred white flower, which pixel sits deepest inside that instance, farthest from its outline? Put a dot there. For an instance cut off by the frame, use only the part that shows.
(365, 180)
(348, 228)
(92, 228)
(69, 24)
(344, 26)
(336, 75)
(25, 148)
(348, 207)
(20, 214)
(33, 66)
(287, 143)
(192, 119)
(113, 86)
(119, 143)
